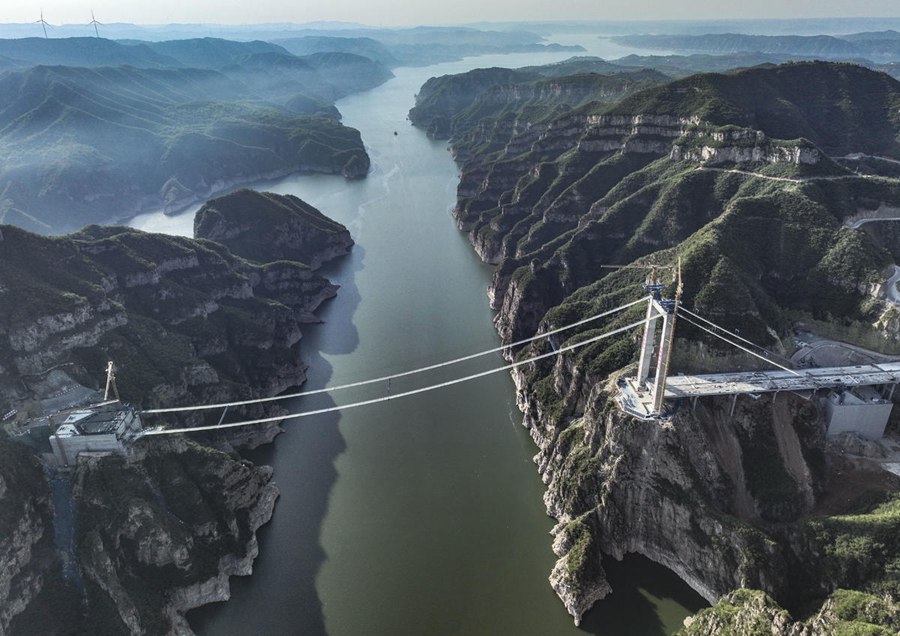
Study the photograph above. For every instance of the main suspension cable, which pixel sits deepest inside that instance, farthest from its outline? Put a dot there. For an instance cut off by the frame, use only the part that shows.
(331, 409)
(205, 407)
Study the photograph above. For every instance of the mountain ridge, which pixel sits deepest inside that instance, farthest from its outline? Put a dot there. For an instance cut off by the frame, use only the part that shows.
(825, 46)
(126, 139)
(738, 185)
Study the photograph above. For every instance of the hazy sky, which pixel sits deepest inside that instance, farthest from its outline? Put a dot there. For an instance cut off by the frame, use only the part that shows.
(405, 12)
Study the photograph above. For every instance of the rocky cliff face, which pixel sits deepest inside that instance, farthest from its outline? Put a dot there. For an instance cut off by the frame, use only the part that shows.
(26, 544)
(683, 492)
(159, 534)
(268, 227)
(185, 320)
(719, 498)
(213, 325)
(742, 146)
(447, 107)
(752, 612)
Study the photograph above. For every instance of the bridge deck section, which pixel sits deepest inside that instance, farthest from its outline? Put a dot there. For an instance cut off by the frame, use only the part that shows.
(681, 386)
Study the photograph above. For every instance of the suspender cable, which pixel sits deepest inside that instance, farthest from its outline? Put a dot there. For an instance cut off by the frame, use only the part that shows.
(203, 407)
(731, 342)
(291, 416)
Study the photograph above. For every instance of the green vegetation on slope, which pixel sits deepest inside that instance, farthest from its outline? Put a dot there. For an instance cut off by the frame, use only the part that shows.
(841, 108)
(172, 312)
(555, 199)
(265, 227)
(452, 105)
(92, 129)
(84, 145)
(753, 613)
(167, 521)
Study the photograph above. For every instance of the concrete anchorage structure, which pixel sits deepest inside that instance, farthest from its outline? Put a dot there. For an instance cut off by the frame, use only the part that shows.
(104, 428)
(108, 427)
(863, 411)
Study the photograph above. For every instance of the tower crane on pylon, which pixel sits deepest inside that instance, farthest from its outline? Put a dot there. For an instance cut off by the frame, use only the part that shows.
(653, 283)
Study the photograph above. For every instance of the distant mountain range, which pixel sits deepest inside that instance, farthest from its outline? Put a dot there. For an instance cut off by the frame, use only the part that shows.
(421, 46)
(93, 130)
(365, 46)
(320, 73)
(880, 46)
(82, 51)
(220, 107)
(390, 47)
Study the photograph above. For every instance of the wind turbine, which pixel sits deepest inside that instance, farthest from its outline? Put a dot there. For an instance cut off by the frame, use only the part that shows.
(43, 23)
(95, 23)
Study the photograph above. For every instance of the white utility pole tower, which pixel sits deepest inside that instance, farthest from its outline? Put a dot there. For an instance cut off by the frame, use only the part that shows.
(111, 381)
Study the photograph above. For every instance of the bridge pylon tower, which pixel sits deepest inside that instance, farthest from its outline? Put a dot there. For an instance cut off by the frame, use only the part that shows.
(657, 342)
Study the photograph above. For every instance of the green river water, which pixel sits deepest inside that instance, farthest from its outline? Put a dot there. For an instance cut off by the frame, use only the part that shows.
(420, 516)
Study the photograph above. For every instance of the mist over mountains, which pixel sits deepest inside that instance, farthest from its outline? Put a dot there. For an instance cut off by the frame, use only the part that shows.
(84, 139)
(94, 129)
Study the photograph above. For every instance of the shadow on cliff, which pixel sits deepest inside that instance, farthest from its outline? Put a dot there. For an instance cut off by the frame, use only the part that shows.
(649, 592)
(281, 596)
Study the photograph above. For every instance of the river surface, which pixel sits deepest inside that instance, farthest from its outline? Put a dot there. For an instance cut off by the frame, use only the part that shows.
(420, 516)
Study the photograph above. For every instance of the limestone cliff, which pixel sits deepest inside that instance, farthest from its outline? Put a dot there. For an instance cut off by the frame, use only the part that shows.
(753, 612)
(160, 533)
(26, 544)
(266, 227)
(186, 320)
(447, 107)
(680, 492)
(724, 500)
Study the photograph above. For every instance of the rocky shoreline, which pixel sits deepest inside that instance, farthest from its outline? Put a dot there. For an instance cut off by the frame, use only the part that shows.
(160, 532)
(212, 544)
(724, 500)
(222, 188)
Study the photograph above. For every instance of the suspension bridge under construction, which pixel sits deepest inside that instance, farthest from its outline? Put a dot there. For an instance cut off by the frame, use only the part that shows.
(650, 394)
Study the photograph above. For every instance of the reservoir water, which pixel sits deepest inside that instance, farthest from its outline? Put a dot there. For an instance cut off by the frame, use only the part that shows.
(421, 516)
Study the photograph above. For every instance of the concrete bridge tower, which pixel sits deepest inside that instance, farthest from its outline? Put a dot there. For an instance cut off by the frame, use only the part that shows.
(656, 345)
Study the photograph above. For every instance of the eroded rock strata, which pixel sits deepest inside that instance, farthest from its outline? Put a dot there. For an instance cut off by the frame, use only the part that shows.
(732, 174)
(186, 321)
(161, 533)
(27, 557)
